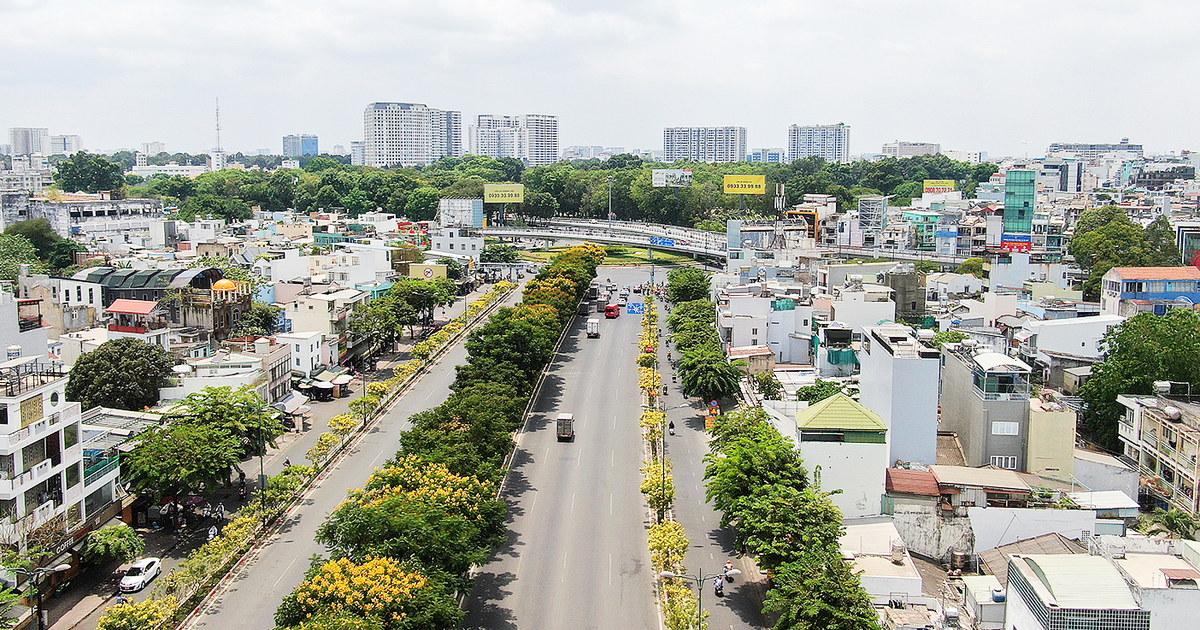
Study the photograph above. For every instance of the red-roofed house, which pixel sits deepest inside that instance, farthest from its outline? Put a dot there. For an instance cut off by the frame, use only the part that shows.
(1127, 291)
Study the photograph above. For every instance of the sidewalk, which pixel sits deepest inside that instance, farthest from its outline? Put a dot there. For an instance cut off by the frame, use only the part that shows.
(94, 590)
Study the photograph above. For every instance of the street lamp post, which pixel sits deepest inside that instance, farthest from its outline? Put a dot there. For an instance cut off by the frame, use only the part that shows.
(610, 180)
(33, 579)
(700, 578)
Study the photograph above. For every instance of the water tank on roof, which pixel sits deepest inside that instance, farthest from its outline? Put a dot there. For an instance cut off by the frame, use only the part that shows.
(1175, 414)
(999, 594)
(13, 352)
(1162, 387)
(969, 343)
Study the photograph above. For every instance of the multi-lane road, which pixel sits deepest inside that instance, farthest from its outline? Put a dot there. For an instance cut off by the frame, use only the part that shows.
(576, 554)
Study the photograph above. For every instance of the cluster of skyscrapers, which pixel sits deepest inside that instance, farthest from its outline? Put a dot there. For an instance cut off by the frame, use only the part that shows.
(413, 134)
(38, 141)
(728, 144)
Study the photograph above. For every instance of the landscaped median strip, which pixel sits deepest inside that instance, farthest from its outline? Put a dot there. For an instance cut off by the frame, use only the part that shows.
(666, 539)
(202, 570)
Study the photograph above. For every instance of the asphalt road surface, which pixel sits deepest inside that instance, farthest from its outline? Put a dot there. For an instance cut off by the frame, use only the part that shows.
(576, 553)
(250, 602)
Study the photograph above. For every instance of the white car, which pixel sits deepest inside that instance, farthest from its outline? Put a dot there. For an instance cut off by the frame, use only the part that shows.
(140, 574)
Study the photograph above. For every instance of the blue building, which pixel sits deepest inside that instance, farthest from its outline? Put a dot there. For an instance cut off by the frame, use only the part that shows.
(1127, 291)
(298, 145)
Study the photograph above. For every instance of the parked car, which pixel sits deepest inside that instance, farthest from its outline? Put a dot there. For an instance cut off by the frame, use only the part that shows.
(138, 576)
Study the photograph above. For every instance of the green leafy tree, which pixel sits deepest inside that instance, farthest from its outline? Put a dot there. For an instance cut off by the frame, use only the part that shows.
(39, 233)
(422, 204)
(113, 542)
(1142, 349)
(89, 173)
(62, 253)
(712, 380)
(685, 284)
(454, 269)
(499, 254)
(181, 459)
(973, 266)
(239, 412)
(820, 591)
(423, 296)
(948, 336)
(202, 205)
(123, 373)
(780, 523)
(818, 391)
(769, 386)
(1174, 523)
(1106, 237)
(260, 321)
(928, 266)
(14, 252)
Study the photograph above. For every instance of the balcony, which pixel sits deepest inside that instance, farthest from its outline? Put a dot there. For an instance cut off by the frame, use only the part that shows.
(133, 330)
(99, 469)
(25, 324)
(29, 375)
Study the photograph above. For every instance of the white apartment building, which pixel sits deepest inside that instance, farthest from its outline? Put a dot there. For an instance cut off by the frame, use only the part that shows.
(704, 144)
(329, 314)
(899, 381)
(309, 352)
(65, 145)
(409, 134)
(153, 148)
(29, 140)
(829, 142)
(531, 138)
(1162, 436)
(264, 365)
(903, 149)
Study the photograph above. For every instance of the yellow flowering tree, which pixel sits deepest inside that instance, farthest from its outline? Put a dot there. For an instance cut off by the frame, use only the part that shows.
(668, 546)
(679, 606)
(320, 450)
(649, 379)
(393, 593)
(414, 508)
(342, 424)
(658, 486)
(148, 614)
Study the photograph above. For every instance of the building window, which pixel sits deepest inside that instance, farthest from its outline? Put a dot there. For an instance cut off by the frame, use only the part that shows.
(91, 296)
(1007, 462)
(1006, 428)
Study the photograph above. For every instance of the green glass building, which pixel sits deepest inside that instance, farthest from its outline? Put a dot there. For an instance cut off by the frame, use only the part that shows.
(1020, 188)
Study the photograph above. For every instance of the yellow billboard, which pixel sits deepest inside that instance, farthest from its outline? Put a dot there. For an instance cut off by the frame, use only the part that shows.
(939, 185)
(504, 193)
(745, 184)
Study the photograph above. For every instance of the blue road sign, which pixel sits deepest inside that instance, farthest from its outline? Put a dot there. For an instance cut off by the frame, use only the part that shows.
(665, 242)
(635, 308)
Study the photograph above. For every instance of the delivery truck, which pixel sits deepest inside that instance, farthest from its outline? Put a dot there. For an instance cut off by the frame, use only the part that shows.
(593, 328)
(566, 427)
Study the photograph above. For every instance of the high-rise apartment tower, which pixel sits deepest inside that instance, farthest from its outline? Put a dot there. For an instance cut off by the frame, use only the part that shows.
(409, 134)
(830, 142)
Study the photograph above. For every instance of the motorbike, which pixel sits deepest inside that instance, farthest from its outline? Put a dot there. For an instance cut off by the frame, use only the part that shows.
(719, 586)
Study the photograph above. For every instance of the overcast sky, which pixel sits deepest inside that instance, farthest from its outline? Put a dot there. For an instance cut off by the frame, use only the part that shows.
(1004, 77)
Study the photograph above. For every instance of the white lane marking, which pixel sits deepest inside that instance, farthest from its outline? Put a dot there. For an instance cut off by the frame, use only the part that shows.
(610, 569)
(283, 573)
(564, 576)
(612, 458)
(702, 518)
(430, 394)
(547, 455)
(610, 503)
(572, 503)
(377, 457)
(535, 496)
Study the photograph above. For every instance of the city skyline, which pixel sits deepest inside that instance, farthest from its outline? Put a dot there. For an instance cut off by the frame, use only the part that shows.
(615, 75)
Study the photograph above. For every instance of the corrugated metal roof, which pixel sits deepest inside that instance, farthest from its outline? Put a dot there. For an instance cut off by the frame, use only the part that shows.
(995, 561)
(132, 307)
(1079, 581)
(996, 478)
(912, 482)
(992, 360)
(839, 412)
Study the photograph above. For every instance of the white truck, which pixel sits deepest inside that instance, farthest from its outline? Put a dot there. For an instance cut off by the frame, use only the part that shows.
(593, 328)
(565, 427)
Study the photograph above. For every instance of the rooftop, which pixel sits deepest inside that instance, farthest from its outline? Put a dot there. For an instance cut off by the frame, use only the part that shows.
(132, 307)
(839, 412)
(1157, 273)
(993, 478)
(1076, 581)
(995, 561)
(912, 482)
(1158, 570)
(1104, 500)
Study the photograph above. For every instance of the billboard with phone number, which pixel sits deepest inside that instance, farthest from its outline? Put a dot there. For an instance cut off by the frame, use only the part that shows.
(745, 184)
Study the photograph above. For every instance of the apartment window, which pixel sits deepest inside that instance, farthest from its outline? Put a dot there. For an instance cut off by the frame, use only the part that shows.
(451, 245)
(78, 294)
(753, 331)
(1006, 428)
(91, 296)
(1007, 462)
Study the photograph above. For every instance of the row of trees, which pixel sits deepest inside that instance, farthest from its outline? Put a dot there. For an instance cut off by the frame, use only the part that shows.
(1106, 237)
(755, 477)
(579, 189)
(402, 545)
(703, 367)
(407, 304)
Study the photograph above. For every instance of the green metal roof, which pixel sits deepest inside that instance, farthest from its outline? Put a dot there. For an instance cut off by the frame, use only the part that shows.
(839, 412)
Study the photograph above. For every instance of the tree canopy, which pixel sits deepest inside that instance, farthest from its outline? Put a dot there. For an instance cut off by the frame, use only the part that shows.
(239, 412)
(114, 542)
(1106, 237)
(123, 373)
(180, 459)
(89, 173)
(1142, 349)
(685, 284)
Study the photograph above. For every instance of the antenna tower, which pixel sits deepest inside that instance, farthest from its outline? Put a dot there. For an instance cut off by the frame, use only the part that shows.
(218, 125)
